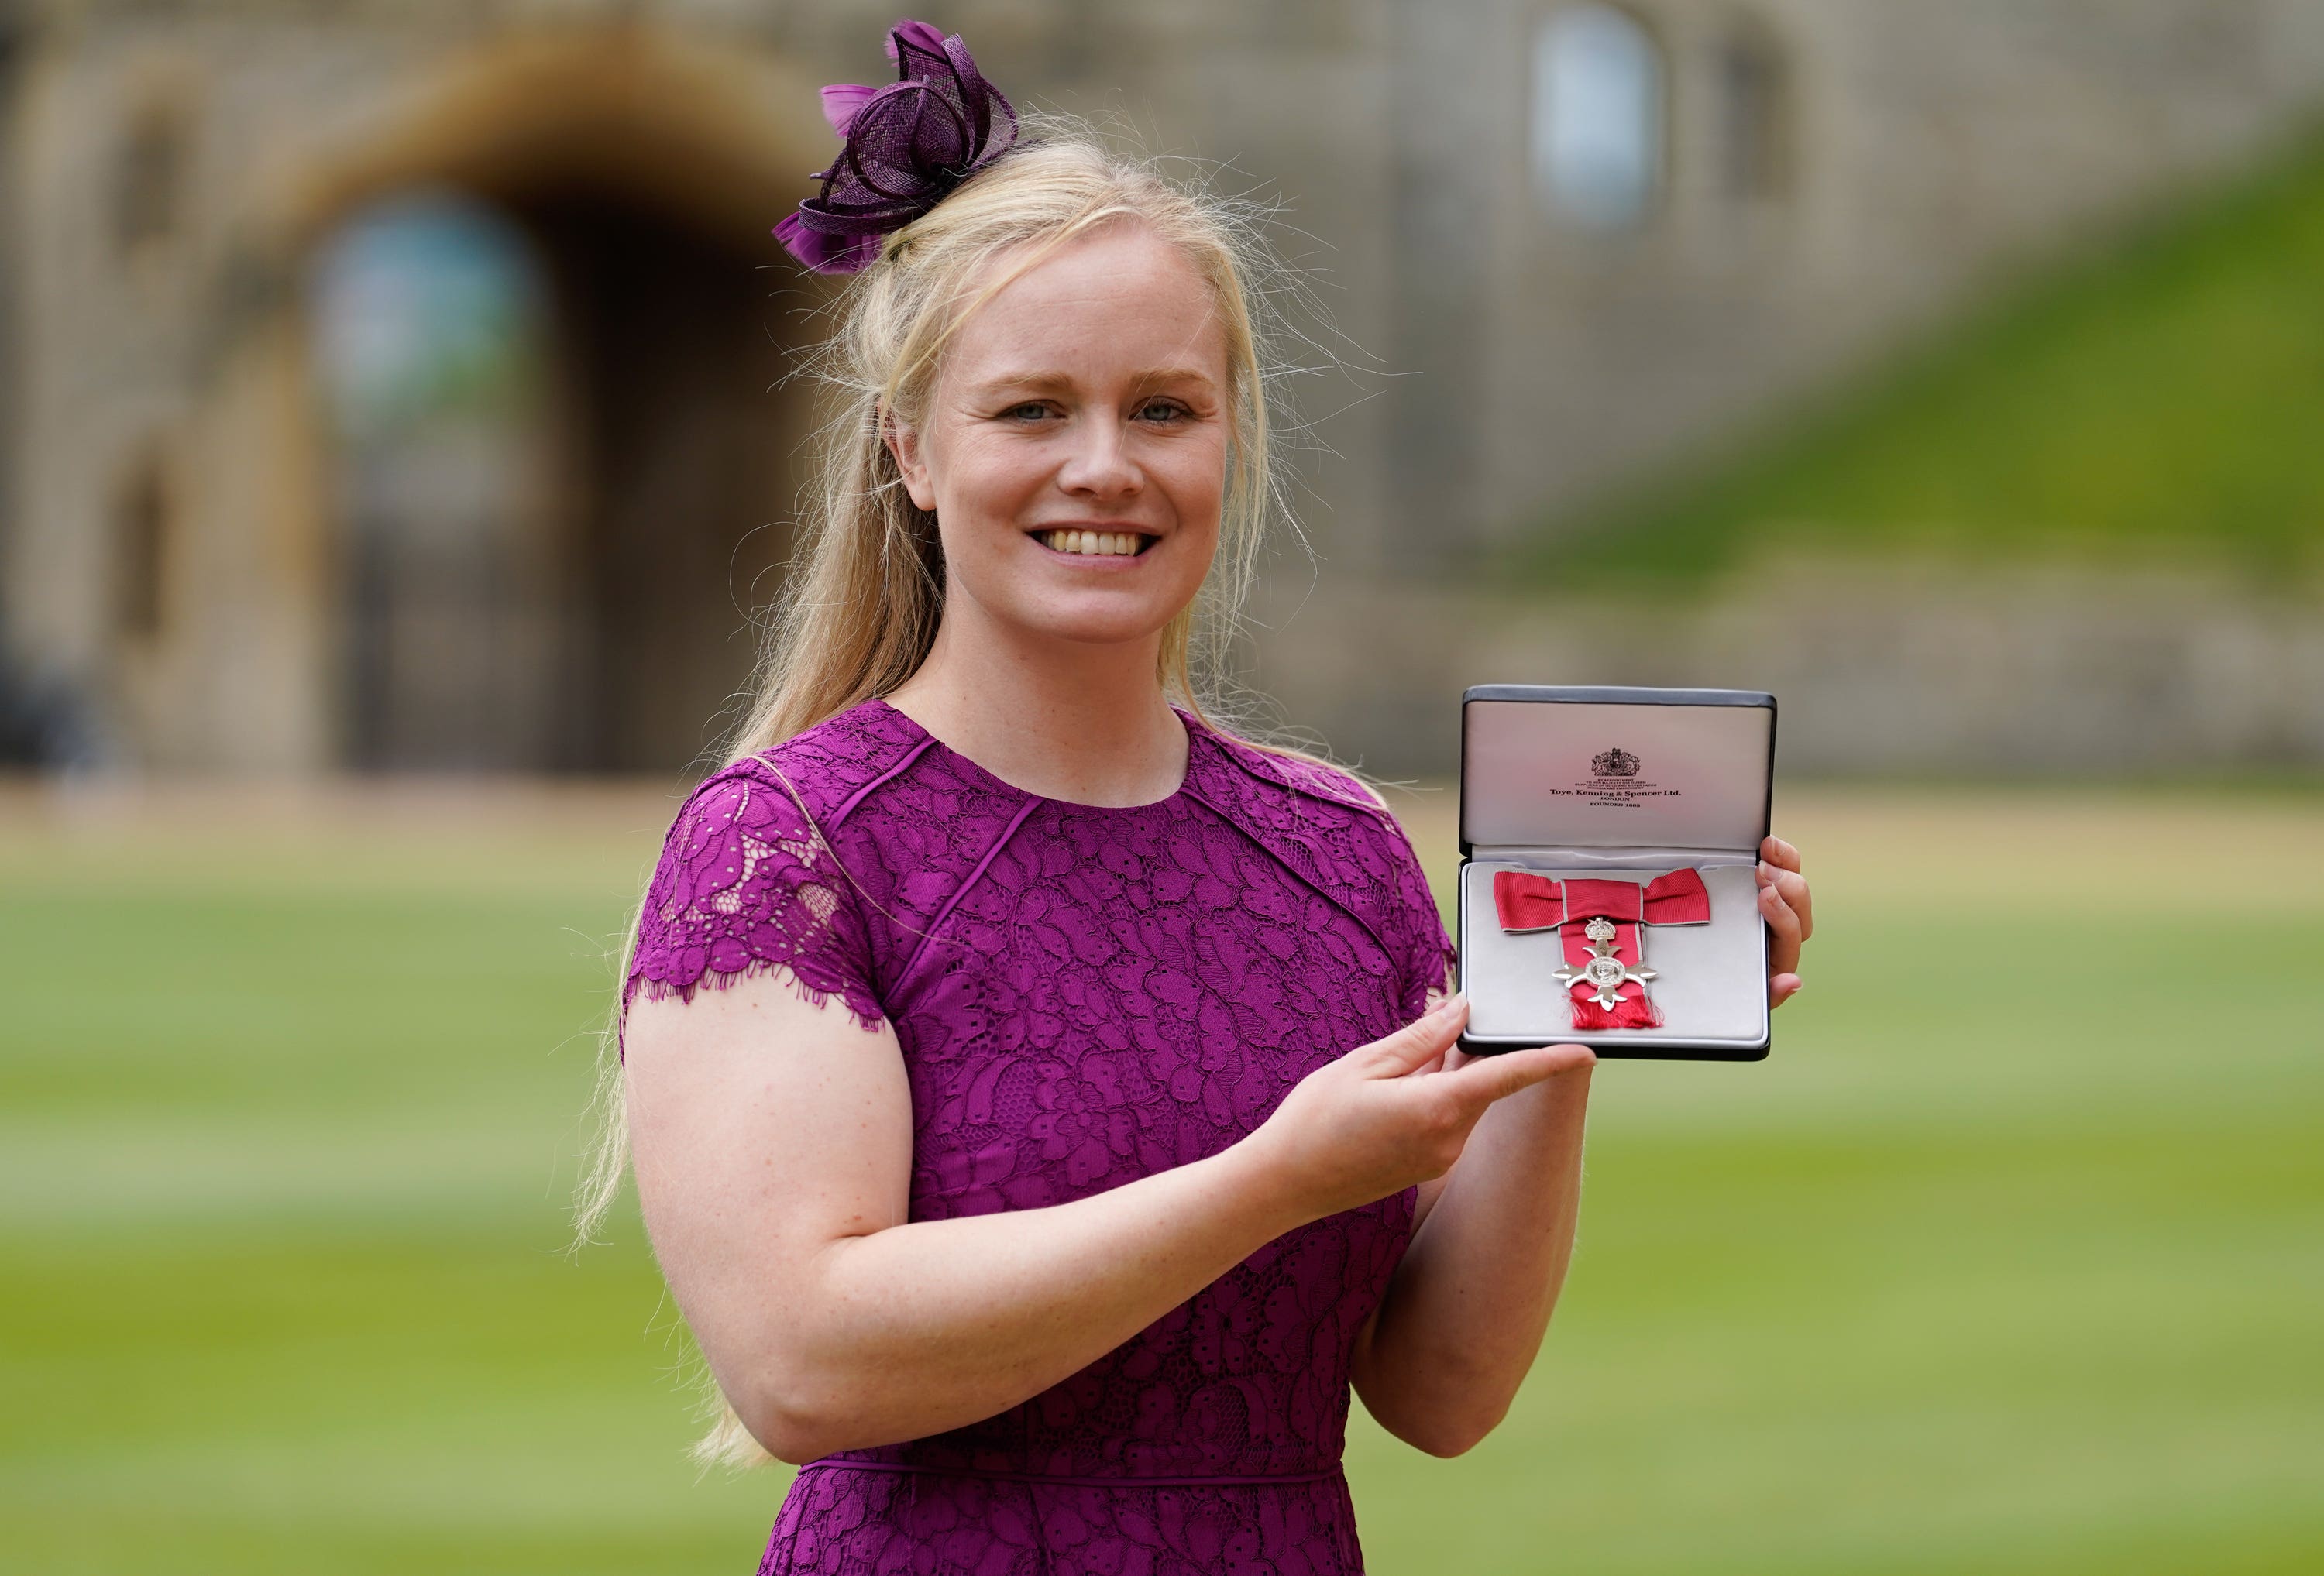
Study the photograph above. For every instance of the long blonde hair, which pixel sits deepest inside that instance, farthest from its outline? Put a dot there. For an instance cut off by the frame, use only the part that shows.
(861, 606)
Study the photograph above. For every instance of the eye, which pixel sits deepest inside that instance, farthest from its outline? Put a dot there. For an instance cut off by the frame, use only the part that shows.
(1030, 410)
(1161, 410)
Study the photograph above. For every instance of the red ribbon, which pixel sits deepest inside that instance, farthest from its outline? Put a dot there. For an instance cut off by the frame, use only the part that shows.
(1525, 901)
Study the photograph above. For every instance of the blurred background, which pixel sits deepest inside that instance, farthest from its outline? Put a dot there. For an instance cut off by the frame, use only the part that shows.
(394, 450)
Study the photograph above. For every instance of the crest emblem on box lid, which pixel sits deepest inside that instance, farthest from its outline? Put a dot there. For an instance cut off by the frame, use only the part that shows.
(1615, 763)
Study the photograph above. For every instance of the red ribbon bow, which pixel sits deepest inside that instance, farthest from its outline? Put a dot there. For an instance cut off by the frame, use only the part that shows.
(1530, 902)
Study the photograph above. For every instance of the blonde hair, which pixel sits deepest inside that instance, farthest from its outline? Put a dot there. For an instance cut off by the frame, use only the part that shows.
(867, 589)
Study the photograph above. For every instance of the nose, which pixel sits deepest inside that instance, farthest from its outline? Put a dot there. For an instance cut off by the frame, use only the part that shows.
(1098, 462)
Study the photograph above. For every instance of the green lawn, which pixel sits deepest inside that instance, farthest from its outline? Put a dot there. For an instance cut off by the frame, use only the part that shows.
(2010, 1260)
(2155, 400)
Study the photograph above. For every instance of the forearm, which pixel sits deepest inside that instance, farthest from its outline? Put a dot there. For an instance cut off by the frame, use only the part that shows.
(774, 1173)
(929, 1325)
(1465, 1313)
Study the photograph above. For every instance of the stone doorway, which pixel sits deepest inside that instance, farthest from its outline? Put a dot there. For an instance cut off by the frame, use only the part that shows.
(550, 543)
(553, 538)
(682, 451)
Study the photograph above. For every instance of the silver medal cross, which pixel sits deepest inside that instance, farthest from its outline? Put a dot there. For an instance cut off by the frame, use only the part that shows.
(1603, 972)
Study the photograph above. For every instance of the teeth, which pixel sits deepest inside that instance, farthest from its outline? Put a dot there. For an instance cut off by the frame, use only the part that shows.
(1118, 544)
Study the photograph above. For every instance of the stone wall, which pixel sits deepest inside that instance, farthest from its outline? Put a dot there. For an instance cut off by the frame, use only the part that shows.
(1878, 668)
(1494, 362)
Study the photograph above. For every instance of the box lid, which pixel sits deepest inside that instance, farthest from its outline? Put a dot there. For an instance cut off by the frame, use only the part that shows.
(1549, 766)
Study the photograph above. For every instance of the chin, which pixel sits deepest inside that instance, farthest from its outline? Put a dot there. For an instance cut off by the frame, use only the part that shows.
(1111, 627)
(1100, 615)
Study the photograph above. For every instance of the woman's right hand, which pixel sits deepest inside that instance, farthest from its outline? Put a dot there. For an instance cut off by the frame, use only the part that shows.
(1385, 1116)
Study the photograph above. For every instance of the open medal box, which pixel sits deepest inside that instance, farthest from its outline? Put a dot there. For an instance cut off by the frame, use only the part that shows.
(1609, 845)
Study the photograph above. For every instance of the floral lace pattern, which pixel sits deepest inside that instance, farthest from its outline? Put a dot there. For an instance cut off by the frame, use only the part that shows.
(742, 889)
(1083, 996)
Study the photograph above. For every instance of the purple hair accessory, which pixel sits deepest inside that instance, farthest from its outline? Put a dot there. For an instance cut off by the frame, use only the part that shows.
(906, 147)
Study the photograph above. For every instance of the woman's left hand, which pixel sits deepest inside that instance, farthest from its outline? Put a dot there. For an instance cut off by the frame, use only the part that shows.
(1789, 913)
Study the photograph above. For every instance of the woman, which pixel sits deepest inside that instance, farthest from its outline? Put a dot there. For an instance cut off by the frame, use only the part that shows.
(1042, 1101)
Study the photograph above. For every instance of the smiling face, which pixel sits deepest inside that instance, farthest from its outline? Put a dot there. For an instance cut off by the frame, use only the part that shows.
(1074, 446)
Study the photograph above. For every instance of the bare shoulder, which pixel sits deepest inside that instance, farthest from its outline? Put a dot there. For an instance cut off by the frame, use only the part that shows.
(761, 1091)
(754, 1017)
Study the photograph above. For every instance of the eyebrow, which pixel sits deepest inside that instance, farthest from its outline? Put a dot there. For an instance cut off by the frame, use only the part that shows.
(1030, 378)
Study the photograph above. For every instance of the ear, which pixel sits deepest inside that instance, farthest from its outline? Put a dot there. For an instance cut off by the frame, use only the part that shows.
(911, 461)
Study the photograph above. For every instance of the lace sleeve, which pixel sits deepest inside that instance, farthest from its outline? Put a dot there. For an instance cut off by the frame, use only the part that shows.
(746, 886)
(1427, 953)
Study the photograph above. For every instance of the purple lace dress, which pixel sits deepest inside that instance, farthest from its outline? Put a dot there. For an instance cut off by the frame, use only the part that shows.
(1083, 995)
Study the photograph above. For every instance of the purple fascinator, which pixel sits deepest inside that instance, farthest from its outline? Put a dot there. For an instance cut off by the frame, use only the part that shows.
(907, 146)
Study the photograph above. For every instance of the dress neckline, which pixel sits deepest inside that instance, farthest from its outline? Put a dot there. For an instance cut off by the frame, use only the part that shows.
(990, 778)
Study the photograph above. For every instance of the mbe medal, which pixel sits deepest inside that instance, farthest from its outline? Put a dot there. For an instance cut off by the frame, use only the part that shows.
(1603, 972)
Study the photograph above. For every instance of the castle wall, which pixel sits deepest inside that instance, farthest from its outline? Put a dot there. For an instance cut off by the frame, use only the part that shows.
(1486, 361)
(1932, 148)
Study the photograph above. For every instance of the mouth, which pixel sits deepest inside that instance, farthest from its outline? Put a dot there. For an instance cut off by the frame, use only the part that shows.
(1096, 544)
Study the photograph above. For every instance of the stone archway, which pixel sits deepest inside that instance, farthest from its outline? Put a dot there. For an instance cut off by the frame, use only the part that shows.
(642, 177)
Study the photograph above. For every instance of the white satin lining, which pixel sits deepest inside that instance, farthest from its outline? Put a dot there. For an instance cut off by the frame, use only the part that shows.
(1711, 984)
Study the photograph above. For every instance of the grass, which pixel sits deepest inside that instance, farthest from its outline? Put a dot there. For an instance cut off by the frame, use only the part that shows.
(2157, 400)
(2011, 1259)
